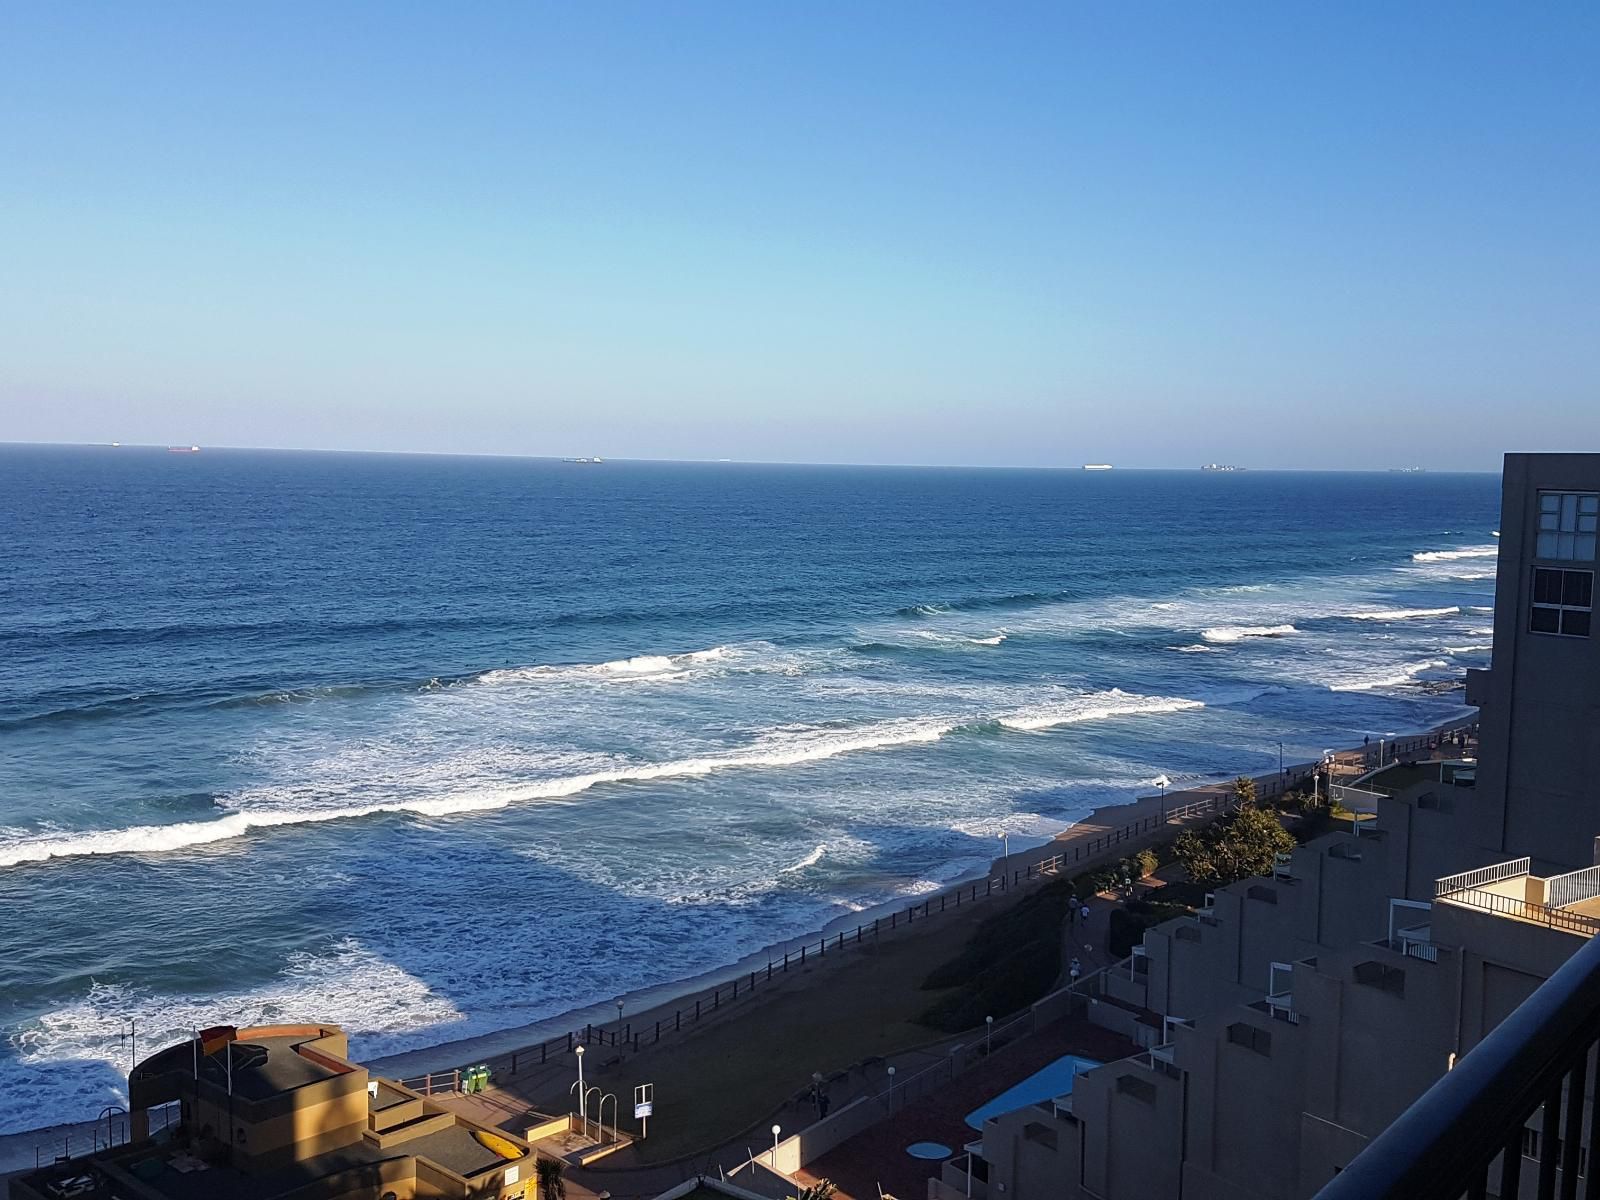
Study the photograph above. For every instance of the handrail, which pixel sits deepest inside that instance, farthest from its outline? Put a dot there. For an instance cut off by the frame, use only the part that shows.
(1442, 1146)
(1572, 888)
(1526, 910)
(1471, 879)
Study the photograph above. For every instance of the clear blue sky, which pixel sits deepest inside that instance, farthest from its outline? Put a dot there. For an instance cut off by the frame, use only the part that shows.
(1151, 234)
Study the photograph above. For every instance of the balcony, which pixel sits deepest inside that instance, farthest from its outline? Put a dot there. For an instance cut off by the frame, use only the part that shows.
(1464, 1137)
(1569, 902)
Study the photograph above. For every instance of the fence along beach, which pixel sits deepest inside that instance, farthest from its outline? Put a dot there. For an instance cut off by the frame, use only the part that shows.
(650, 1015)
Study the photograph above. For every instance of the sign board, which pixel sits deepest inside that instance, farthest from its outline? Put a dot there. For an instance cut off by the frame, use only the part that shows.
(644, 1105)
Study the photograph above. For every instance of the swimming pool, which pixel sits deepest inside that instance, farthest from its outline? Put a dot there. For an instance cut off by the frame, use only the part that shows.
(1045, 1084)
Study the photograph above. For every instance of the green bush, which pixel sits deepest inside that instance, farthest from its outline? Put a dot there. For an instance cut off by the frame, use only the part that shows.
(1129, 923)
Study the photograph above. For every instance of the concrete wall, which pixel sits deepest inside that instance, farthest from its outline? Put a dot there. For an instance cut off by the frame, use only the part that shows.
(1541, 711)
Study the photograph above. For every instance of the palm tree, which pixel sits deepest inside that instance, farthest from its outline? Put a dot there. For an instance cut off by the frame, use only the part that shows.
(552, 1179)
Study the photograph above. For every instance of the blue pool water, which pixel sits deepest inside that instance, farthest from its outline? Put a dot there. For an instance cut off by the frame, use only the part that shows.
(1045, 1084)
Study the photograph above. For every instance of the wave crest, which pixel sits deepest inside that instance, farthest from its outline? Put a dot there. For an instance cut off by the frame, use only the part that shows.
(1402, 614)
(1453, 555)
(1238, 633)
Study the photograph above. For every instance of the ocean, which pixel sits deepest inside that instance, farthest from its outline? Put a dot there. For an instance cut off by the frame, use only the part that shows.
(435, 746)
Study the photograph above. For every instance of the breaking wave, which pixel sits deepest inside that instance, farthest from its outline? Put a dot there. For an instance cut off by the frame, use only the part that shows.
(1238, 633)
(1389, 676)
(1402, 614)
(1114, 703)
(1453, 555)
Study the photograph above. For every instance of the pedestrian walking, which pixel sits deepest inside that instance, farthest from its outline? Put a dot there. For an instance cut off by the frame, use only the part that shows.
(1084, 913)
(1076, 969)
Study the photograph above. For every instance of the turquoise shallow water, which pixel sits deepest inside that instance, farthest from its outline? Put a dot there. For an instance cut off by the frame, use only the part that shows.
(279, 731)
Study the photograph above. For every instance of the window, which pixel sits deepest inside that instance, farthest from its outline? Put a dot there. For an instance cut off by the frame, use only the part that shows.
(1563, 602)
(1381, 975)
(1139, 1089)
(1567, 525)
(1251, 1038)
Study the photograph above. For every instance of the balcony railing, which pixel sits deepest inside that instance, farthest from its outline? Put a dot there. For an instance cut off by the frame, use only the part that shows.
(1527, 910)
(1451, 884)
(1444, 1146)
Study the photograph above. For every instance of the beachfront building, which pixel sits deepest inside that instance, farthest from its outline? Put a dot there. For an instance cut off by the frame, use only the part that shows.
(279, 1112)
(1296, 1016)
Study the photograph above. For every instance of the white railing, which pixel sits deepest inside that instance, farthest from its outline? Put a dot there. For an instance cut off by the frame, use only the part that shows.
(1572, 888)
(1355, 799)
(1451, 884)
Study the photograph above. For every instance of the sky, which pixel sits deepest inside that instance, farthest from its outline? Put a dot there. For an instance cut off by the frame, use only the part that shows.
(1152, 234)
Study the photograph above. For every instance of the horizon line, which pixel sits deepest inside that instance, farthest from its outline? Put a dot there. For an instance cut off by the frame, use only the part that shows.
(756, 462)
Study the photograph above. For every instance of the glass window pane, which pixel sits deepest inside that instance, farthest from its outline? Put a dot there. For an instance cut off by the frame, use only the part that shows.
(1547, 545)
(1549, 502)
(1564, 546)
(1549, 520)
(1546, 586)
(1586, 522)
(1577, 588)
(1584, 551)
(1569, 511)
(1545, 620)
(1575, 623)
(1589, 504)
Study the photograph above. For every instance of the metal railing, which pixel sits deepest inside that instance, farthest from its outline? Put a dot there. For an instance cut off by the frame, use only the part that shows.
(1572, 888)
(1526, 910)
(1451, 884)
(1446, 1145)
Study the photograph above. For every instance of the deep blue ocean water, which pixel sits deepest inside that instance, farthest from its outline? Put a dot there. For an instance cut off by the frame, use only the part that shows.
(434, 746)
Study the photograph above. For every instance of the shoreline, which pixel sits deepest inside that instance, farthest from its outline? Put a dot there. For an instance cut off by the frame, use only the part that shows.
(642, 1004)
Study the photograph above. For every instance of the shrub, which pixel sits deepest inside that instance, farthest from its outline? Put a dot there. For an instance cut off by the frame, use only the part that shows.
(1234, 847)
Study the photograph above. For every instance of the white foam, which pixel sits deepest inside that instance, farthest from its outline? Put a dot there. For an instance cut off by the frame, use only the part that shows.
(1402, 614)
(809, 860)
(1389, 676)
(1238, 633)
(1114, 703)
(640, 666)
(988, 641)
(1474, 648)
(375, 1001)
(1197, 648)
(1452, 555)
(782, 748)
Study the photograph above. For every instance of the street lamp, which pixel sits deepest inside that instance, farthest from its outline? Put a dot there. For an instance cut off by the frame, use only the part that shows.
(1005, 858)
(988, 1031)
(619, 1012)
(891, 1089)
(776, 1130)
(1161, 781)
(581, 1092)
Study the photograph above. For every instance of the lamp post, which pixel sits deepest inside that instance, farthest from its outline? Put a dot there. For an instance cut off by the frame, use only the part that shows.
(1280, 764)
(776, 1130)
(1161, 781)
(988, 1031)
(1005, 857)
(619, 1015)
(891, 1089)
(580, 1086)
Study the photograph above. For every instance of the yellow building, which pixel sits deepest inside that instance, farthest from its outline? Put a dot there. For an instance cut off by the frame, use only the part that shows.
(279, 1112)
